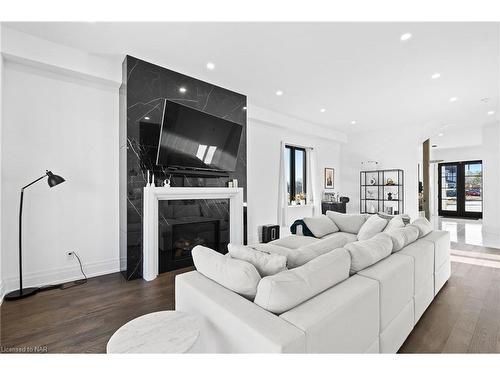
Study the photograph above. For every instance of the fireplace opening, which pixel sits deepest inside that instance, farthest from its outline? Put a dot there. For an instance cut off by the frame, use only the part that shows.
(185, 224)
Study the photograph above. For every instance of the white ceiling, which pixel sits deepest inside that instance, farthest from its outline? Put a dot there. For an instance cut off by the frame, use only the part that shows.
(356, 71)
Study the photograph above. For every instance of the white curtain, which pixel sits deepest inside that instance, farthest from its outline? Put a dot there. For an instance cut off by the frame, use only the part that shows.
(312, 190)
(282, 190)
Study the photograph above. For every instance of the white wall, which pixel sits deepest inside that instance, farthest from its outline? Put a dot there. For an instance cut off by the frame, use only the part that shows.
(397, 149)
(69, 125)
(264, 138)
(458, 153)
(491, 178)
(1, 115)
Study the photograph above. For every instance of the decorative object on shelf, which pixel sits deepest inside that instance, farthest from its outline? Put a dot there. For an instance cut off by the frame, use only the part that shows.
(153, 180)
(396, 212)
(379, 187)
(235, 183)
(166, 183)
(52, 180)
(230, 184)
(389, 210)
(147, 183)
(329, 178)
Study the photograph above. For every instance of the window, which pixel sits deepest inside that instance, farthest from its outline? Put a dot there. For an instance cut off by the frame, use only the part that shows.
(295, 162)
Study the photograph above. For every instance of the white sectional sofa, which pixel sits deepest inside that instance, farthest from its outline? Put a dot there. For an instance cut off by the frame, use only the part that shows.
(371, 311)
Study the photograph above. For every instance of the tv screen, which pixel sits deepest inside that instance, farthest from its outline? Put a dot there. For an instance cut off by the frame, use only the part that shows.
(191, 139)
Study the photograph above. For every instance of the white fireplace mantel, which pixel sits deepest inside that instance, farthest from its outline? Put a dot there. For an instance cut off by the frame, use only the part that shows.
(150, 219)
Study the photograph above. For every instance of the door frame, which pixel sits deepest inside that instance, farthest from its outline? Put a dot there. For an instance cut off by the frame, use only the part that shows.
(460, 188)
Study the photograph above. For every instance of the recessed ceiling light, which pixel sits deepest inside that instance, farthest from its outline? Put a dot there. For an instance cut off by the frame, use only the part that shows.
(210, 66)
(434, 145)
(405, 37)
(322, 110)
(182, 90)
(453, 99)
(244, 108)
(436, 75)
(440, 134)
(491, 113)
(279, 93)
(146, 118)
(353, 122)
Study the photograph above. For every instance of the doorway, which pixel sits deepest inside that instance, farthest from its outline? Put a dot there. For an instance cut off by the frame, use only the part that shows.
(460, 189)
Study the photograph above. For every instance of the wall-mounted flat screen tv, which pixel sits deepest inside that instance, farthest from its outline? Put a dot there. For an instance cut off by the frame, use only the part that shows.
(192, 139)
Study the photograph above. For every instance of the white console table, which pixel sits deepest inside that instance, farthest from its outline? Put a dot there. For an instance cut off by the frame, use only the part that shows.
(152, 195)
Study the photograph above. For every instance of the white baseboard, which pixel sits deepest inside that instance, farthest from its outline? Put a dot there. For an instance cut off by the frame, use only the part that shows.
(61, 275)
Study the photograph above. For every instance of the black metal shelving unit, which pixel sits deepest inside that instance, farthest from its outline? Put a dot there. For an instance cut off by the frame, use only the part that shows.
(374, 189)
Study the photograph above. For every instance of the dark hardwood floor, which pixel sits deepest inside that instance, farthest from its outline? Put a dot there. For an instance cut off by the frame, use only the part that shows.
(464, 317)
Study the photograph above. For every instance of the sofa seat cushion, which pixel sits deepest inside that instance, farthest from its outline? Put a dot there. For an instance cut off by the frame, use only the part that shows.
(350, 223)
(293, 241)
(395, 277)
(234, 274)
(366, 253)
(402, 237)
(266, 264)
(287, 289)
(320, 226)
(441, 242)
(372, 226)
(342, 319)
(350, 237)
(422, 253)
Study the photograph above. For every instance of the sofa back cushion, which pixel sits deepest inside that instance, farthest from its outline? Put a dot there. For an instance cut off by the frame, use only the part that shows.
(266, 264)
(402, 237)
(395, 223)
(368, 252)
(239, 276)
(320, 226)
(350, 223)
(306, 253)
(287, 289)
(371, 227)
(423, 225)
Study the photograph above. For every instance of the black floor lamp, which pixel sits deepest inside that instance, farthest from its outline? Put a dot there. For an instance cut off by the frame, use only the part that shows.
(52, 180)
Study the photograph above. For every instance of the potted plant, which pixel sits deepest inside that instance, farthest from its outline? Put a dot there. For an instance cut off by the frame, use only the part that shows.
(301, 198)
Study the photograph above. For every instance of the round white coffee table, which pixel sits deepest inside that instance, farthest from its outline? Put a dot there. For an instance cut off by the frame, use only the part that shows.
(158, 332)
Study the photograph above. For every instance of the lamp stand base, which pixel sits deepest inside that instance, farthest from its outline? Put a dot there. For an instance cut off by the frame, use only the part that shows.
(21, 293)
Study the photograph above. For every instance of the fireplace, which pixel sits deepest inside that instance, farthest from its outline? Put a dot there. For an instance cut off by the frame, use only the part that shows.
(185, 224)
(177, 218)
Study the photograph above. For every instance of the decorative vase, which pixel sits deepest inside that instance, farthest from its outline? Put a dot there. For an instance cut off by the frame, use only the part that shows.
(389, 196)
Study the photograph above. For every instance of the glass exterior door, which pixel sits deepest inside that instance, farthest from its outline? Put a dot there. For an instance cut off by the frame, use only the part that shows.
(460, 189)
(473, 185)
(448, 188)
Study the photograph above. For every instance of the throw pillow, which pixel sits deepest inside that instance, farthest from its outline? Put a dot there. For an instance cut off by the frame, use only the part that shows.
(320, 226)
(350, 223)
(371, 227)
(234, 274)
(368, 252)
(423, 225)
(265, 263)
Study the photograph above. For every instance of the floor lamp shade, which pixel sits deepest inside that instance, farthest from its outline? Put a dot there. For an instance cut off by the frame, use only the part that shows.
(52, 180)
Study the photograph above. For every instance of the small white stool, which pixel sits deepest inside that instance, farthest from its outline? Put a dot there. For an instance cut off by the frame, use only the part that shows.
(158, 332)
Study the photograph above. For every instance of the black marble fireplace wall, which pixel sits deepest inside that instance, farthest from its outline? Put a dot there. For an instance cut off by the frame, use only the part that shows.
(143, 92)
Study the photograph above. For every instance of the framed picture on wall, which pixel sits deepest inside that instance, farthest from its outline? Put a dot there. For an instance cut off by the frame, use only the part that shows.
(329, 178)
